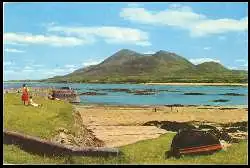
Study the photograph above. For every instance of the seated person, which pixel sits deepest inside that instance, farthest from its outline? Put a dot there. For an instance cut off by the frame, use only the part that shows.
(33, 103)
(52, 96)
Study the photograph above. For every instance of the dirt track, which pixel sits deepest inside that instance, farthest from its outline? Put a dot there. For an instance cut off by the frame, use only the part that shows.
(118, 126)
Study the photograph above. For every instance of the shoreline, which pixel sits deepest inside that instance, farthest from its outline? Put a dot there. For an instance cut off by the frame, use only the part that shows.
(155, 83)
(159, 106)
(200, 84)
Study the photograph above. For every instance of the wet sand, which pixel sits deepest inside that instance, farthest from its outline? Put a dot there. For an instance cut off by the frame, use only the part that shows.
(122, 125)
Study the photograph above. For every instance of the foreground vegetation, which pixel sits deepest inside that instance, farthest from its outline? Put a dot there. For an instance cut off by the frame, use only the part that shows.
(143, 152)
(37, 121)
(43, 122)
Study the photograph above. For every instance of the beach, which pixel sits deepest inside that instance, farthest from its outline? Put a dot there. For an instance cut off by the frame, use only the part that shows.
(123, 125)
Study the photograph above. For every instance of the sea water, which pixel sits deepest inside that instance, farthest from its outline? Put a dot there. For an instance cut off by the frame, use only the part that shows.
(174, 95)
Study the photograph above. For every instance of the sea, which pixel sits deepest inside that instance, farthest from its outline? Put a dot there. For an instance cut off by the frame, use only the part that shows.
(164, 95)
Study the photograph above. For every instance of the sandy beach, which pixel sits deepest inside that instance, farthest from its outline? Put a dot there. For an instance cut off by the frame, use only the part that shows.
(123, 125)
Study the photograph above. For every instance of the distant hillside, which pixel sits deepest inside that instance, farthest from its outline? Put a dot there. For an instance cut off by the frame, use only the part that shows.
(162, 66)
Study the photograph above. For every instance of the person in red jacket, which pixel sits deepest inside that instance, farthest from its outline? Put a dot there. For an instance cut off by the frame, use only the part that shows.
(25, 95)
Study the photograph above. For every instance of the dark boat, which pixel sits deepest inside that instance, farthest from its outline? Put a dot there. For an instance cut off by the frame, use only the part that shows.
(193, 142)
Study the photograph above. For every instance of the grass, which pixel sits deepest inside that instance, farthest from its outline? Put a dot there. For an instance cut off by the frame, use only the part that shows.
(143, 152)
(43, 121)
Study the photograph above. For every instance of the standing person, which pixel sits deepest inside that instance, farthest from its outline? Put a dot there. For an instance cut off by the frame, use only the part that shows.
(25, 95)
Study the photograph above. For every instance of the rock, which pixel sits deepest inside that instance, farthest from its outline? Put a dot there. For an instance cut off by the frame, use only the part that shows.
(114, 90)
(191, 93)
(152, 123)
(60, 129)
(220, 100)
(228, 108)
(231, 129)
(175, 126)
(239, 135)
(143, 92)
(174, 105)
(233, 94)
(207, 127)
(221, 135)
(92, 93)
(237, 124)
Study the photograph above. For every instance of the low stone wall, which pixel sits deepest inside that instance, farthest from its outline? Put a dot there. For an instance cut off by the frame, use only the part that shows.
(42, 147)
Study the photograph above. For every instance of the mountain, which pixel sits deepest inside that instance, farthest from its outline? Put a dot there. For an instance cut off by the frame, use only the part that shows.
(208, 66)
(162, 66)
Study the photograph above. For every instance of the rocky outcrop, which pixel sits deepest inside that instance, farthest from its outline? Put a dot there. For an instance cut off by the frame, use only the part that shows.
(230, 132)
(92, 93)
(81, 137)
(233, 94)
(192, 93)
(170, 125)
(221, 100)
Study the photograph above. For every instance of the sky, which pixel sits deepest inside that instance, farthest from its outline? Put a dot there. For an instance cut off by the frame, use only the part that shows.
(43, 40)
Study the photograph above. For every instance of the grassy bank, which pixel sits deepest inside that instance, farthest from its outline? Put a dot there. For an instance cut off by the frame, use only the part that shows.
(43, 122)
(144, 152)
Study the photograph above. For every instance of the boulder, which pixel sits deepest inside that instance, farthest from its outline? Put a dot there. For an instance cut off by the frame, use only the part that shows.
(175, 126)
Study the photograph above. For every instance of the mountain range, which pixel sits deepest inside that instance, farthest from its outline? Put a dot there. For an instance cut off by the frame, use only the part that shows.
(162, 66)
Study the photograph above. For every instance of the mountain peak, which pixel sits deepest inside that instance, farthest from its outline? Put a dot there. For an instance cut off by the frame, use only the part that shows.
(163, 51)
(125, 51)
(211, 66)
(122, 56)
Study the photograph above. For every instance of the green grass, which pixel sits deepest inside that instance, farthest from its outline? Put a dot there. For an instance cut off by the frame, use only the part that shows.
(143, 152)
(43, 121)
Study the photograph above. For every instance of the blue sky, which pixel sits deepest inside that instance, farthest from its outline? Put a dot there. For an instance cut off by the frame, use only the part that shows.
(42, 40)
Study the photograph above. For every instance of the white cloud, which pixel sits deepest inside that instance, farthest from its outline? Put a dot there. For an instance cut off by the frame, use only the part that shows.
(14, 43)
(109, 34)
(7, 63)
(9, 71)
(149, 52)
(175, 5)
(70, 66)
(38, 65)
(222, 26)
(133, 4)
(41, 39)
(207, 48)
(185, 18)
(243, 64)
(233, 68)
(91, 62)
(13, 50)
(240, 60)
(27, 68)
(197, 61)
